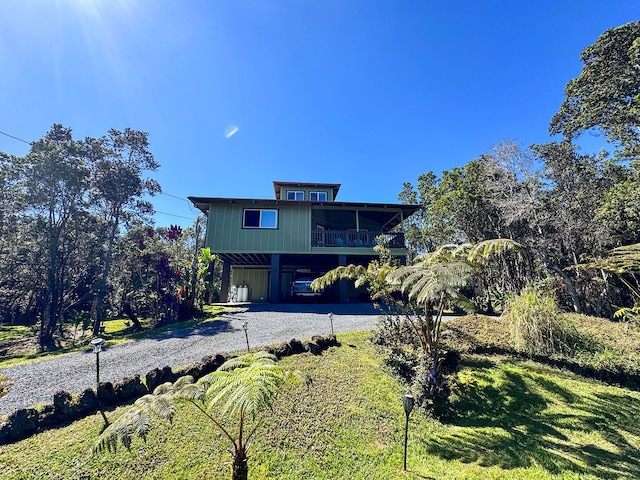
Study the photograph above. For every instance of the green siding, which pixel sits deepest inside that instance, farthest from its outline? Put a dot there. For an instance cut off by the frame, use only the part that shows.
(225, 232)
(257, 279)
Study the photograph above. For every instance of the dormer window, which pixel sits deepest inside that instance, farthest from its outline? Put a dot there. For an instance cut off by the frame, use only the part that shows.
(295, 195)
(318, 196)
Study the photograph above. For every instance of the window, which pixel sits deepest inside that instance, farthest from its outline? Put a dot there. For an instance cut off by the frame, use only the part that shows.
(318, 196)
(260, 218)
(295, 195)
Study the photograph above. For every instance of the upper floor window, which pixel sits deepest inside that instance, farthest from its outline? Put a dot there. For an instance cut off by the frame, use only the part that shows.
(318, 196)
(260, 218)
(295, 195)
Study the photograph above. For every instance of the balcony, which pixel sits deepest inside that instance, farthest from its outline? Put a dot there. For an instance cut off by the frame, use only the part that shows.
(353, 239)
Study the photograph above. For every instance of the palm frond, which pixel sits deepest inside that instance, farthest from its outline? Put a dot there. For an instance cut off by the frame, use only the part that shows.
(481, 252)
(350, 272)
(246, 384)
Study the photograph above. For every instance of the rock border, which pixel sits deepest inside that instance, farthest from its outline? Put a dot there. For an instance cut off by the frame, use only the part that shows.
(67, 407)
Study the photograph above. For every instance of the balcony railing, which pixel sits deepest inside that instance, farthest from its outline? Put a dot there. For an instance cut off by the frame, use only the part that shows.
(353, 239)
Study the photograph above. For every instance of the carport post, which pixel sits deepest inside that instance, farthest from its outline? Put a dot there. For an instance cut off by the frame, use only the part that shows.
(276, 278)
(224, 287)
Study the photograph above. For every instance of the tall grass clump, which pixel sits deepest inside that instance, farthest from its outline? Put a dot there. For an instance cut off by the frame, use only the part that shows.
(538, 326)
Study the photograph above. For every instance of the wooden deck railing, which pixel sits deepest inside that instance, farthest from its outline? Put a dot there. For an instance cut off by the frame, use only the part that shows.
(353, 239)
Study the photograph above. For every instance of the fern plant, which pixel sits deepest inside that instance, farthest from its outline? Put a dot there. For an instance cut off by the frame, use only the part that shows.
(238, 392)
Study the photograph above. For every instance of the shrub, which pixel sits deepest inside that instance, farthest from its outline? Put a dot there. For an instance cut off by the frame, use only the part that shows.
(538, 326)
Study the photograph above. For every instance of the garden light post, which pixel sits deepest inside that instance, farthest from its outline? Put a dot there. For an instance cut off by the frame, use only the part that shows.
(331, 320)
(96, 343)
(407, 403)
(245, 325)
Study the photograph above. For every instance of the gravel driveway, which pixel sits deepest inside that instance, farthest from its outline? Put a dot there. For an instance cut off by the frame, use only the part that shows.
(267, 324)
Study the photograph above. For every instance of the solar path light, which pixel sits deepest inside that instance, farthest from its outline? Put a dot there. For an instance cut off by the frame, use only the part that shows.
(331, 320)
(245, 325)
(96, 343)
(407, 403)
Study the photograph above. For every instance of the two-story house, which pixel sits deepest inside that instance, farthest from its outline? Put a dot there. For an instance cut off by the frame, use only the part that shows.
(266, 243)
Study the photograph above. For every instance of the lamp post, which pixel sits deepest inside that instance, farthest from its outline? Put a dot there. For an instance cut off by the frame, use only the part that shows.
(331, 320)
(407, 404)
(96, 343)
(245, 325)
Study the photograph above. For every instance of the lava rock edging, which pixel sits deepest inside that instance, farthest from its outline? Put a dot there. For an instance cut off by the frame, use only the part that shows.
(67, 407)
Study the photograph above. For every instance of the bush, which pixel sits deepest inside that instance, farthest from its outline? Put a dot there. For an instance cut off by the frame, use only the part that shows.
(537, 325)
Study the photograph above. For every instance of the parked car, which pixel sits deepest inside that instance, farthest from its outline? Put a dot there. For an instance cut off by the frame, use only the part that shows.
(301, 290)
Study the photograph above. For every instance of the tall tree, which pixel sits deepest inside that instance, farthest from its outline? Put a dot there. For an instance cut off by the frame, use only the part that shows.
(606, 94)
(118, 162)
(55, 185)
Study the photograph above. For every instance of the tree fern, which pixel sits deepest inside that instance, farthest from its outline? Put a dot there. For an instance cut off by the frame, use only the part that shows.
(238, 391)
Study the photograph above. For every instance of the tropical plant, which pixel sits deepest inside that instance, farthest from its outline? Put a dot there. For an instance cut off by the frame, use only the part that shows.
(231, 398)
(624, 262)
(206, 275)
(433, 282)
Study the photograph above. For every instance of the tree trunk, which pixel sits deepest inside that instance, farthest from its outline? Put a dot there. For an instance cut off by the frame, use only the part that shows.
(240, 468)
(575, 298)
(128, 311)
(102, 287)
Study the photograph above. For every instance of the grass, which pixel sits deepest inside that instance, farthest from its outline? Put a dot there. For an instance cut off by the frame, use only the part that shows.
(513, 420)
(600, 343)
(9, 333)
(116, 331)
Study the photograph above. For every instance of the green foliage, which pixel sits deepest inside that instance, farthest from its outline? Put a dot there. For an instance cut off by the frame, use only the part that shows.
(9, 333)
(628, 314)
(606, 94)
(537, 324)
(432, 283)
(601, 348)
(513, 420)
(624, 262)
(68, 202)
(231, 398)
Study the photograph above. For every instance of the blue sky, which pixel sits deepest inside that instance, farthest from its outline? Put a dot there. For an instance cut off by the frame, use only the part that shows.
(366, 93)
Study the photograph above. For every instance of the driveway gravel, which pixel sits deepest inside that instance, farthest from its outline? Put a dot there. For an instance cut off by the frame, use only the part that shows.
(267, 325)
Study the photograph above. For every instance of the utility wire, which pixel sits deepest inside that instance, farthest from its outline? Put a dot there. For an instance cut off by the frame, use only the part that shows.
(195, 212)
(175, 196)
(15, 138)
(174, 215)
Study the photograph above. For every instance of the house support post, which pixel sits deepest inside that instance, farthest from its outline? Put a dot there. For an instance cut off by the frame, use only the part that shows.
(275, 282)
(342, 284)
(224, 284)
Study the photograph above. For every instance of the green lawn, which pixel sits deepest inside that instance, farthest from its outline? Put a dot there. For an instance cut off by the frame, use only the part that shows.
(514, 420)
(9, 333)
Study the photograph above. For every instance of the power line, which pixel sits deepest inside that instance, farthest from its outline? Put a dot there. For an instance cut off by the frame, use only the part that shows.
(175, 196)
(15, 138)
(195, 212)
(174, 215)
